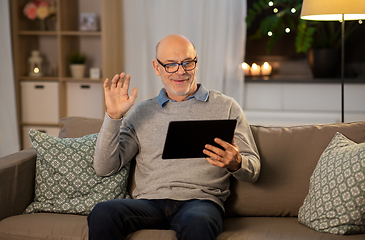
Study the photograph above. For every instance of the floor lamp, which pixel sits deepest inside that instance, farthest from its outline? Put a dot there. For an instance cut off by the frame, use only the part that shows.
(335, 10)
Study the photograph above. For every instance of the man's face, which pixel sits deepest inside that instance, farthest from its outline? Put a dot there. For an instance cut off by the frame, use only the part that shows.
(180, 84)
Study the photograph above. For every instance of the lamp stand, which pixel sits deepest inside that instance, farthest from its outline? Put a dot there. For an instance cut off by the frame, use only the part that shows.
(342, 67)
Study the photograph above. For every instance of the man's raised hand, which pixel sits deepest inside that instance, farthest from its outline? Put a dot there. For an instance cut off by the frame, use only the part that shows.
(117, 100)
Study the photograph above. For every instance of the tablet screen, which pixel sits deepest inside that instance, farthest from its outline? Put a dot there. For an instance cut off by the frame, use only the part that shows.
(187, 139)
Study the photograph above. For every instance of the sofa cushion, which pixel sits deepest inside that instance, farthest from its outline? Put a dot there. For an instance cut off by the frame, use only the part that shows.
(74, 127)
(275, 228)
(65, 179)
(42, 226)
(336, 199)
(288, 157)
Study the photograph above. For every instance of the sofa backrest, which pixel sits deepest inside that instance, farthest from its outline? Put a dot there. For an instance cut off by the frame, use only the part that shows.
(288, 158)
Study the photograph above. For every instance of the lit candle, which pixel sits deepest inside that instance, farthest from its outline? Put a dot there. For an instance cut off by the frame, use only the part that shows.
(266, 69)
(246, 68)
(255, 70)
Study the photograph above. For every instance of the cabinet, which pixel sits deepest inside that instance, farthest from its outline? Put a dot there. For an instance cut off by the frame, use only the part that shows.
(283, 103)
(43, 101)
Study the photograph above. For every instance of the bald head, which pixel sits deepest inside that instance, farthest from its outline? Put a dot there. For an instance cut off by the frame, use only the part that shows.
(174, 41)
(176, 50)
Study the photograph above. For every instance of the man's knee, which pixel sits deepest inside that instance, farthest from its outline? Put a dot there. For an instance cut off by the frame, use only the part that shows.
(198, 225)
(101, 214)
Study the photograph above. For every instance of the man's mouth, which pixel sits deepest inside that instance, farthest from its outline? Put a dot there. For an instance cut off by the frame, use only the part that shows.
(179, 81)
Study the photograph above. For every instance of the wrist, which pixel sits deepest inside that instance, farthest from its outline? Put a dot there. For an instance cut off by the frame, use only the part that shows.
(114, 116)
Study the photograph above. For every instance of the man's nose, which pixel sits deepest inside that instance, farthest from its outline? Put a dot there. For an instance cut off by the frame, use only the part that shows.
(180, 69)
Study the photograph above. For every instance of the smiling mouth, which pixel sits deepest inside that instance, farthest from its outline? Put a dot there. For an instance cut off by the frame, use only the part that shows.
(179, 81)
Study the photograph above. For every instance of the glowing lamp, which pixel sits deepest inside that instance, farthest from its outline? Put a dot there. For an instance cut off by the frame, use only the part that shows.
(35, 64)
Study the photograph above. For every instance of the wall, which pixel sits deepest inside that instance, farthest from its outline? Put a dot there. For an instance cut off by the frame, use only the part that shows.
(8, 121)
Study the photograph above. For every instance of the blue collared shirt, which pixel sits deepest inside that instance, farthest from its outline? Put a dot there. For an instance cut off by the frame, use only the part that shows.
(201, 95)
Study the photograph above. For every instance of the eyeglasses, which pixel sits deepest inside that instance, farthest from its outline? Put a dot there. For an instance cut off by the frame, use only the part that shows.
(174, 67)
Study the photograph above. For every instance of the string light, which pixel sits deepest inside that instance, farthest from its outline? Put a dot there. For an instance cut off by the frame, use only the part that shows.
(360, 21)
(269, 33)
(287, 30)
(271, 3)
(276, 10)
(293, 10)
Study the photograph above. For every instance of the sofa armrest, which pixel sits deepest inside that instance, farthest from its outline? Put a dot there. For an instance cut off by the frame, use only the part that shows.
(17, 172)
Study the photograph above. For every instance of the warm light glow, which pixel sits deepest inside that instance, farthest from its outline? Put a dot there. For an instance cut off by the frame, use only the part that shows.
(266, 69)
(269, 34)
(287, 30)
(245, 66)
(293, 10)
(360, 21)
(324, 10)
(36, 70)
(255, 70)
(276, 10)
(271, 3)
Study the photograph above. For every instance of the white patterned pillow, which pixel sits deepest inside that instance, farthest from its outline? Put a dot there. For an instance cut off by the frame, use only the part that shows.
(65, 180)
(336, 199)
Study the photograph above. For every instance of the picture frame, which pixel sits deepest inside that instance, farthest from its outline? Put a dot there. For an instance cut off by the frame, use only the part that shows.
(88, 22)
(95, 73)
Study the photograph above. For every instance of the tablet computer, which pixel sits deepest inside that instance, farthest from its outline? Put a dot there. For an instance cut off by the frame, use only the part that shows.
(187, 139)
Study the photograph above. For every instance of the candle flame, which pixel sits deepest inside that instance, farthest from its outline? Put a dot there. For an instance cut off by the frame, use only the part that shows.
(245, 65)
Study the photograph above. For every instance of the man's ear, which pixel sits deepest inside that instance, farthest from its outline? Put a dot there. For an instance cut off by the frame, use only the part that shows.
(155, 67)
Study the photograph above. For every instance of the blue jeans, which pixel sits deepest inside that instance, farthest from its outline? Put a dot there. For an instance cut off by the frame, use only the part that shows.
(192, 219)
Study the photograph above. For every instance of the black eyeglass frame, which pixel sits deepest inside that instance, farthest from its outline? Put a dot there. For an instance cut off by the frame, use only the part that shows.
(178, 65)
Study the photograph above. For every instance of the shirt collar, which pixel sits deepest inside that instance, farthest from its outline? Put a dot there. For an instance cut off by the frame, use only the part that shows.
(201, 95)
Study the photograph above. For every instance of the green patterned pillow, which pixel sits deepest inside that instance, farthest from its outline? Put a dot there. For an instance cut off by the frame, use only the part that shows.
(336, 199)
(65, 180)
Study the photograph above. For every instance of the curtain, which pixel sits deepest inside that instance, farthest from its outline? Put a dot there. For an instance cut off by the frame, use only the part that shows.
(217, 29)
(8, 120)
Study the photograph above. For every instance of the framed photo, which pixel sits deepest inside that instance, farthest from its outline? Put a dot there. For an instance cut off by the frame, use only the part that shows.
(95, 73)
(88, 22)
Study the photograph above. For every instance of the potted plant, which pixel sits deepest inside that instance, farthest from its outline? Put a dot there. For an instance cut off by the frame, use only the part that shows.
(317, 38)
(77, 64)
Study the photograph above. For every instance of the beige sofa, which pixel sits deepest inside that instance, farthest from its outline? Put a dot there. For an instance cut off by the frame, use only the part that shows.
(267, 209)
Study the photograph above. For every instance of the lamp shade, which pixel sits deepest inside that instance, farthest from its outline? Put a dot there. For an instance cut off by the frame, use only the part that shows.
(331, 10)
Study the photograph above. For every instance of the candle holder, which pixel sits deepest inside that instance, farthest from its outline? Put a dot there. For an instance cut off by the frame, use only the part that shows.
(35, 64)
(246, 69)
(255, 70)
(266, 69)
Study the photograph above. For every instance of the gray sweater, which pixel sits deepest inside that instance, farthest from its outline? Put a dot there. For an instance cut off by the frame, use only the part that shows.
(142, 135)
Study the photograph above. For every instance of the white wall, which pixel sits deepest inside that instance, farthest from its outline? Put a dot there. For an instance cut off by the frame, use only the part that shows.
(8, 120)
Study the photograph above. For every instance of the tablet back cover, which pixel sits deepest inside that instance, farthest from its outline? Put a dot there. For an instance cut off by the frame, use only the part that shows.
(186, 139)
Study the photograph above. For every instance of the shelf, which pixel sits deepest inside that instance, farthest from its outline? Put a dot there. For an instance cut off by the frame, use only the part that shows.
(42, 101)
(80, 33)
(44, 78)
(81, 80)
(55, 33)
(38, 33)
(300, 79)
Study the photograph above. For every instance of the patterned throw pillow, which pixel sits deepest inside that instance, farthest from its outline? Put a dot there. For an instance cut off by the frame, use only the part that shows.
(65, 180)
(336, 199)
